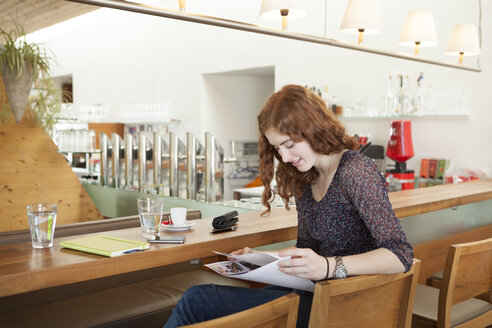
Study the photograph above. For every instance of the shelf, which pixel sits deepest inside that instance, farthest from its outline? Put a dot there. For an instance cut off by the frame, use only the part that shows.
(408, 117)
(97, 151)
(84, 171)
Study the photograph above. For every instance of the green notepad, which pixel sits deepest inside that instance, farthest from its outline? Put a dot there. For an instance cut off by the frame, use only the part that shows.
(104, 245)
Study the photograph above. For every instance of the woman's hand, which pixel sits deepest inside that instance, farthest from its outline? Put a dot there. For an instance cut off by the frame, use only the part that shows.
(304, 263)
(241, 251)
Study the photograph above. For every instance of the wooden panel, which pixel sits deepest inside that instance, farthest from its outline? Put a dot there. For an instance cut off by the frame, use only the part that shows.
(57, 266)
(37, 14)
(382, 300)
(107, 128)
(281, 312)
(32, 171)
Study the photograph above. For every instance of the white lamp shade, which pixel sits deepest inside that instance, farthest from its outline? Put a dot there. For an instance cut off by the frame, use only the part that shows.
(463, 39)
(419, 26)
(362, 14)
(270, 9)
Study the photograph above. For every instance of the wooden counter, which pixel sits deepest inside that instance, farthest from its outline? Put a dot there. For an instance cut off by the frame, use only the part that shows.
(24, 269)
(417, 201)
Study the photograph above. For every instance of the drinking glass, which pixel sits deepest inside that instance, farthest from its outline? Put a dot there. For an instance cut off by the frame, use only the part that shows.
(150, 213)
(42, 222)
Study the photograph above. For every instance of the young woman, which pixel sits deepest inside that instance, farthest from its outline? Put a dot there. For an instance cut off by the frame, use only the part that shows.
(346, 225)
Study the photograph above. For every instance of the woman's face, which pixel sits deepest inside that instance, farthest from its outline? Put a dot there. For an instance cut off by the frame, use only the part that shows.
(299, 154)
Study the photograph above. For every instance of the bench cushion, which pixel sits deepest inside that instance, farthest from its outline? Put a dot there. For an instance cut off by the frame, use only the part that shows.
(147, 304)
(426, 300)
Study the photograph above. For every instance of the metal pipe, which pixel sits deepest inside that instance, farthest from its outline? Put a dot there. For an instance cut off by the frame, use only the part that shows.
(173, 165)
(128, 159)
(115, 140)
(103, 144)
(191, 166)
(142, 161)
(219, 22)
(209, 167)
(157, 152)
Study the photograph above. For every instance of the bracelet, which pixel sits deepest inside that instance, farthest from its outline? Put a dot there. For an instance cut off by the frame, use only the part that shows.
(327, 268)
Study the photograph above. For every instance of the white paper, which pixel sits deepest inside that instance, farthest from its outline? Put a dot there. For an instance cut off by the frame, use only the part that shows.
(267, 273)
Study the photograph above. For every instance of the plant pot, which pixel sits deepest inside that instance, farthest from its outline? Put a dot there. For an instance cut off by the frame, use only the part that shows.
(17, 89)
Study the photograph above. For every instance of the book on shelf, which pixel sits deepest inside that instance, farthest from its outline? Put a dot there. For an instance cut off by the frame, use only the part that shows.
(433, 168)
(424, 168)
(259, 267)
(105, 245)
(442, 166)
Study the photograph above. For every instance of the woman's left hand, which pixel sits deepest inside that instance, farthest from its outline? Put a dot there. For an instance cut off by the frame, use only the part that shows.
(304, 262)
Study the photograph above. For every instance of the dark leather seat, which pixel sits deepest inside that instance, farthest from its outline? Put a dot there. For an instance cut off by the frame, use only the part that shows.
(148, 303)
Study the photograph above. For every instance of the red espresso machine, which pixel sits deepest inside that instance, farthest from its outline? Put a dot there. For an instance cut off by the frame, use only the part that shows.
(400, 149)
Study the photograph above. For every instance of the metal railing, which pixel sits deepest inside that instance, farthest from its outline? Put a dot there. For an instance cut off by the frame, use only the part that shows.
(186, 170)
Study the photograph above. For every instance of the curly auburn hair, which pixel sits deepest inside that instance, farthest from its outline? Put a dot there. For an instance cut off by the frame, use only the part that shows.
(302, 115)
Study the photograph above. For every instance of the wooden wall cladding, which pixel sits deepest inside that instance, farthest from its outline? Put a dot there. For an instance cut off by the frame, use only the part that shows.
(38, 14)
(108, 129)
(32, 171)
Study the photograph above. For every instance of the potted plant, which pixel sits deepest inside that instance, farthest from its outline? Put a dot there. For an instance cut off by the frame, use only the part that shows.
(25, 69)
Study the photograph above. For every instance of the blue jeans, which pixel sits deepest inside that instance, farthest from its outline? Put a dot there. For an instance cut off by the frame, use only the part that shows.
(205, 302)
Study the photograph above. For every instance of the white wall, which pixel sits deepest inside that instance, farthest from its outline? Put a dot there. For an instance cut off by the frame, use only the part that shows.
(231, 102)
(122, 58)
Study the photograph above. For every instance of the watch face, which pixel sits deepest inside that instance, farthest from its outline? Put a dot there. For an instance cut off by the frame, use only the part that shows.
(340, 273)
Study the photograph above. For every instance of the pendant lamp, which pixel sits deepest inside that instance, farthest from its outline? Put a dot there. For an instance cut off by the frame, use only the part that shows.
(419, 30)
(182, 4)
(281, 10)
(463, 41)
(362, 16)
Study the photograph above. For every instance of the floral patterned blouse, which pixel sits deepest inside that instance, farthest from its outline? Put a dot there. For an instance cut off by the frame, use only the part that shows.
(355, 215)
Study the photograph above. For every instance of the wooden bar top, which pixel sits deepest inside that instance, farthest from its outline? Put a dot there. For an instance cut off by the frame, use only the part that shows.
(422, 200)
(24, 269)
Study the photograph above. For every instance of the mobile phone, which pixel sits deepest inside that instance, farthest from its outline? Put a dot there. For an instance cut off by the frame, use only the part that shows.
(234, 228)
(168, 240)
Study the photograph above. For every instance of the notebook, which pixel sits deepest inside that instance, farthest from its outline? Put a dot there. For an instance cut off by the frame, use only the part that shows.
(105, 245)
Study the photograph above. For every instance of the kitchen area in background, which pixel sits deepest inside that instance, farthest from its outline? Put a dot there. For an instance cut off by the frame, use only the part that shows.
(164, 98)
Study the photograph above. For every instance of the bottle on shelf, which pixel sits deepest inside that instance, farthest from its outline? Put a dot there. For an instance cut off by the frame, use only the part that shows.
(407, 96)
(390, 101)
(419, 97)
(404, 99)
(326, 97)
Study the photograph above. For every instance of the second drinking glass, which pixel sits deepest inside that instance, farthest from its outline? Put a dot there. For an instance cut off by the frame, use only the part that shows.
(150, 212)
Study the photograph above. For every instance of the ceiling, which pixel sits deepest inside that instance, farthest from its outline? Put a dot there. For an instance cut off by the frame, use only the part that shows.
(37, 14)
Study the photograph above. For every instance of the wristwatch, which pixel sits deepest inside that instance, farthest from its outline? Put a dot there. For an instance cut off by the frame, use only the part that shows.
(340, 272)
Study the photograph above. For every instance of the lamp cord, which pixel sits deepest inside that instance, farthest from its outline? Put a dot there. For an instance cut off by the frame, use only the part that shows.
(479, 30)
(326, 6)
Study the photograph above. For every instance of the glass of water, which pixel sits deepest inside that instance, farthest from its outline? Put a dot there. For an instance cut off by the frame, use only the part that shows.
(42, 222)
(150, 213)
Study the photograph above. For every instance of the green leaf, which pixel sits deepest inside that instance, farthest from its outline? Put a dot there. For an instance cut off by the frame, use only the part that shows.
(18, 55)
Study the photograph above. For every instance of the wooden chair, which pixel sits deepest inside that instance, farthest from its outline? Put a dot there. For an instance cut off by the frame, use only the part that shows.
(435, 280)
(467, 273)
(366, 301)
(281, 312)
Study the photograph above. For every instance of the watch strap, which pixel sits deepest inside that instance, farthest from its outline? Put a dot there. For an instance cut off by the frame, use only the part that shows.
(340, 271)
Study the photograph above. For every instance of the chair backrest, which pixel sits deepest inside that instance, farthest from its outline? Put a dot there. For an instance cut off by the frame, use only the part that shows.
(366, 301)
(281, 312)
(467, 273)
